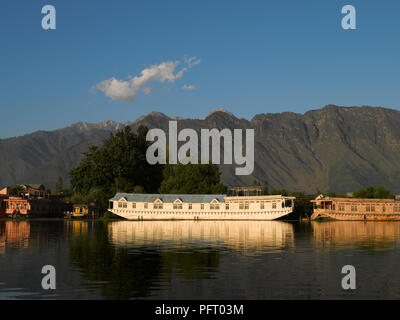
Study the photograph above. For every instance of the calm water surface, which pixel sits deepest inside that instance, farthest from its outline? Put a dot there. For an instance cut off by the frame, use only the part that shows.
(199, 260)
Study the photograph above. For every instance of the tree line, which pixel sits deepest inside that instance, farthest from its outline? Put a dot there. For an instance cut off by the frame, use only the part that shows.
(120, 165)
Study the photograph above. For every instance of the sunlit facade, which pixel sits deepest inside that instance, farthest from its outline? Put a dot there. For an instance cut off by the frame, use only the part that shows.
(135, 206)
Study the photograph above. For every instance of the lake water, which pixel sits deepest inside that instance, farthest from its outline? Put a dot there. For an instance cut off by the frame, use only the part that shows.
(199, 259)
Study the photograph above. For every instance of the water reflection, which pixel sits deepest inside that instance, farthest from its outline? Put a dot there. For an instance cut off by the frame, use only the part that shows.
(356, 234)
(118, 273)
(13, 233)
(199, 260)
(247, 237)
(132, 259)
(77, 227)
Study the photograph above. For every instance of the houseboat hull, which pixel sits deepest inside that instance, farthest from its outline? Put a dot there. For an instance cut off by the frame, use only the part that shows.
(200, 215)
(357, 217)
(17, 215)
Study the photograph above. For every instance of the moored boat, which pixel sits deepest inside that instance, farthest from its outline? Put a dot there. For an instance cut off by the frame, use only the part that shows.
(136, 206)
(355, 208)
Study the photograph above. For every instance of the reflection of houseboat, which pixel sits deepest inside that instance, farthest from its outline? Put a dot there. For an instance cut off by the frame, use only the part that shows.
(346, 234)
(244, 236)
(136, 206)
(14, 234)
(356, 209)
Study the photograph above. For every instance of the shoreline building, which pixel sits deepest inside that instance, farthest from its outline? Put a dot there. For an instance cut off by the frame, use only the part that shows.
(28, 207)
(138, 206)
(34, 191)
(355, 208)
(31, 201)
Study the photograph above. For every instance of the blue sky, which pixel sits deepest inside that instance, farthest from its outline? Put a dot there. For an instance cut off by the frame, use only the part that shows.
(255, 57)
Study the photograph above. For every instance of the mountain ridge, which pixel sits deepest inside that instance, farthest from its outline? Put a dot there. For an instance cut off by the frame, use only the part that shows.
(333, 148)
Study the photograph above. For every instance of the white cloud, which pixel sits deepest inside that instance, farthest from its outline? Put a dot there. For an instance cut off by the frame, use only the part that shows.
(163, 72)
(189, 87)
(192, 61)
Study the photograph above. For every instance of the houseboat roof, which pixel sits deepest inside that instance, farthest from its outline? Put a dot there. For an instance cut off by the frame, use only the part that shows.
(189, 198)
(37, 186)
(356, 200)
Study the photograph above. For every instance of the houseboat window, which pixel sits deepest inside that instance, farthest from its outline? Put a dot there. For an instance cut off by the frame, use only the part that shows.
(177, 206)
(146, 205)
(243, 205)
(370, 207)
(190, 206)
(202, 206)
(158, 205)
(214, 206)
(273, 205)
(396, 208)
(134, 205)
(226, 206)
(353, 208)
(262, 205)
(341, 207)
(383, 208)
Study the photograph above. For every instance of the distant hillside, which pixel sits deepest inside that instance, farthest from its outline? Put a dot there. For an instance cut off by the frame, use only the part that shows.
(334, 148)
(45, 155)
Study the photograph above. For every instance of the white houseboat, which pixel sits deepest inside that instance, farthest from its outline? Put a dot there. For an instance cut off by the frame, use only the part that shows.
(137, 206)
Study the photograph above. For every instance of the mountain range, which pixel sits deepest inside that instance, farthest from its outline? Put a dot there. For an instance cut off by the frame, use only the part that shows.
(337, 149)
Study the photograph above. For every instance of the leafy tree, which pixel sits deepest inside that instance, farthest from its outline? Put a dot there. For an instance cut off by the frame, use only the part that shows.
(15, 190)
(120, 165)
(192, 179)
(303, 206)
(373, 193)
(383, 193)
(266, 191)
(59, 185)
(282, 192)
(335, 195)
